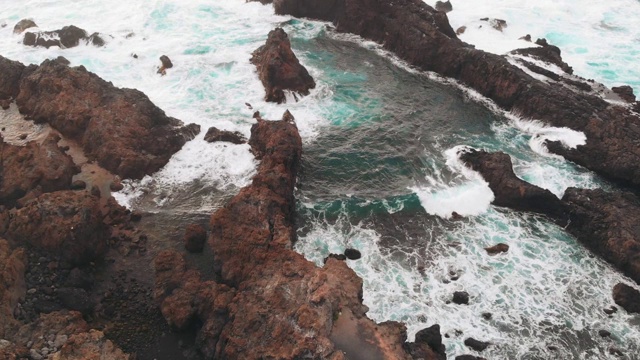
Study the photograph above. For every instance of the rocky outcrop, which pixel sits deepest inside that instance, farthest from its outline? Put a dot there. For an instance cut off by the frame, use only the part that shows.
(23, 25)
(498, 24)
(423, 37)
(607, 223)
(92, 345)
(67, 37)
(12, 286)
(266, 289)
(34, 168)
(279, 68)
(547, 53)
(627, 297)
(509, 190)
(214, 135)
(625, 92)
(120, 128)
(444, 6)
(497, 249)
(10, 75)
(68, 224)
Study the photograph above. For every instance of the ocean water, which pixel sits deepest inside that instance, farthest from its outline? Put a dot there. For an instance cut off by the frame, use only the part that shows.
(380, 168)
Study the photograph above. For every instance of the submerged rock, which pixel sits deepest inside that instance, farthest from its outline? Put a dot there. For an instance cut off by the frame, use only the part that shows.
(627, 297)
(120, 128)
(497, 24)
(476, 345)
(214, 134)
(67, 37)
(279, 68)
(352, 254)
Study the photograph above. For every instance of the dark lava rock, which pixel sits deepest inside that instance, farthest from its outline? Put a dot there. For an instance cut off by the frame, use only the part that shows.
(166, 62)
(195, 237)
(627, 297)
(279, 68)
(67, 37)
(234, 137)
(610, 311)
(461, 297)
(340, 257)
(468, 357)
(79, 278)
(497, 24)
(487, 316)
(444, 6)
(496, 249)
(604, 333)
(616, 352)
(547, 53)
(33, 168)
(509, 190)
(625, 92)
(62, 60)
(352, 254)
(526, 38)
(476, 345)
(120, 128)
(96, 40)
(75, 299)
(432, 337)
(23, 25)
(10, 74)
(607, 223)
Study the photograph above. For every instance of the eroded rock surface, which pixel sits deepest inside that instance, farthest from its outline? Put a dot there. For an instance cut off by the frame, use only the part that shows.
(270, 291)
(36, 168)
(67, 37)
(627, 297)
(279, 68)
(120, 128)
(214, 134)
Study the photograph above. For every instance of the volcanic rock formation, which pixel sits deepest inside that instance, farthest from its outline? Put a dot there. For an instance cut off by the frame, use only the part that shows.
(67, 37)
(279, 68)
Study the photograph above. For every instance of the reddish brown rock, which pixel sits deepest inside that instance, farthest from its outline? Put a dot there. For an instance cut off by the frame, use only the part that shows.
(195, 237)
(497, 249)
(279, 68)
(120, 128)
(422, 36)
(607, 223)
(270, 291)
(40, 167)
(10, 75)
(627, 297)
(509, 190)
(67, 37)
(12, 286)
(214, 134)
(68, 224)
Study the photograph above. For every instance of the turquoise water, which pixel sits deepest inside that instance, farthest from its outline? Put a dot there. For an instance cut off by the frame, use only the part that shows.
(379, 170)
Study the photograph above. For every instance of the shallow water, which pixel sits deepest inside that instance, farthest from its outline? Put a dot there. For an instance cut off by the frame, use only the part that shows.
(380, 171)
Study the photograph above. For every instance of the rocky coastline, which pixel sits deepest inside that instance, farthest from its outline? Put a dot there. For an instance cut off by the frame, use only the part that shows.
(68, 250)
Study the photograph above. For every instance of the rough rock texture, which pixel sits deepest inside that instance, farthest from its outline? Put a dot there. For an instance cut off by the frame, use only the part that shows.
(90, 345)
(625, 92)
(509, 190)
(423, 37)
(279, 68)
(120, 128)
(68, 224)
(195, 236)
(34, 167)
(67, 37)
(12, 286)
(627, 297)
(497, 24)
(270, 291)
(547, 53)
(444, 6)
(476, 345)
(461, 298)
(23, 25)
(214, 134)
(497, 249)
(608, 224)
(10, 74)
